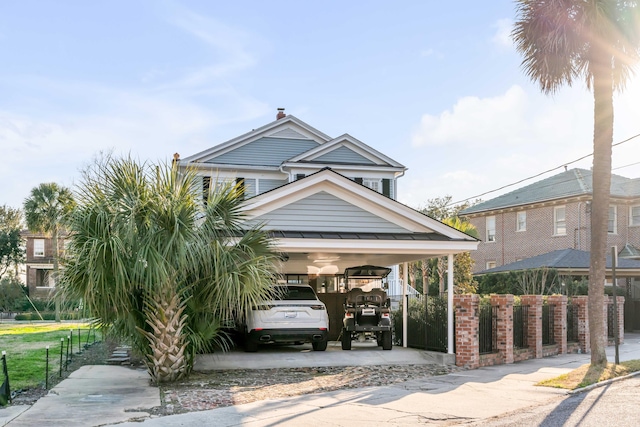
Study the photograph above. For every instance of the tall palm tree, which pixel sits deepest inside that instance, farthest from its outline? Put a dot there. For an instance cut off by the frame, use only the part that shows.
(160, 267)
(45, 211)
(597, 41)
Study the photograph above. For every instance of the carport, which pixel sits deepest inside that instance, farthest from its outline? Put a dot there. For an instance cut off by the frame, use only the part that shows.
(325, 222)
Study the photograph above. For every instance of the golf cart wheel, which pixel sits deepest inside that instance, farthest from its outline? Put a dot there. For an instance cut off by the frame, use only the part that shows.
(346, 340)
(386, 340)
(319, 345)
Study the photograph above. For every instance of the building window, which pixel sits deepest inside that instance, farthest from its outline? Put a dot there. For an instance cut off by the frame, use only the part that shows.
(490, 264)
(373, 184)
(634, 215)
(521, 221)
(38, 247)
(559, 221)
(491, 229)
(612, 226)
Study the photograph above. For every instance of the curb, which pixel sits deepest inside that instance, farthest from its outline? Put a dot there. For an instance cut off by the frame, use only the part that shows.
(602, 384)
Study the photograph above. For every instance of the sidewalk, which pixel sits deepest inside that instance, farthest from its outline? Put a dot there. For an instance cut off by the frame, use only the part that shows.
(103, 395)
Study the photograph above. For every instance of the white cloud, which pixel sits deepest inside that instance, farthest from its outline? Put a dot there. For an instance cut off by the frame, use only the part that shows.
(502, 36)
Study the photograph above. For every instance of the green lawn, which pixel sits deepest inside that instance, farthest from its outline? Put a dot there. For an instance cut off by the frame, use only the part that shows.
(25, 347)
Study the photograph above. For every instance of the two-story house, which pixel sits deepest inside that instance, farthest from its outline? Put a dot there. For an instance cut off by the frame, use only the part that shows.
(553, 214)
(329, 202)
(39, 263)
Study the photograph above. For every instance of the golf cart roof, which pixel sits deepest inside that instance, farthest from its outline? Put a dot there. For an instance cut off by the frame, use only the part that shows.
(365, 271)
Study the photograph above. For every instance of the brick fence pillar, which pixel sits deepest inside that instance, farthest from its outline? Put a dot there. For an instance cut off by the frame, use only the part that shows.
(534, 323)
(504, 306)
(559, 303)
(583, 323)
(467, 320)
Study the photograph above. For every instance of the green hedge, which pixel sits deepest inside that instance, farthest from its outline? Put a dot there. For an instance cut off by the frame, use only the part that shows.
(47, 316)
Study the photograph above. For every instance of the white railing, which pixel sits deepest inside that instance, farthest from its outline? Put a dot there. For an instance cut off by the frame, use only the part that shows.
(395, 288)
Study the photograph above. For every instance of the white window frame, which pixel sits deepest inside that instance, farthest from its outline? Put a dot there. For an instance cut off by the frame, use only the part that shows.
(633, 223)
(489, 237)
(490, 264)
(559, 224)
(521, 225)
(615, 219)
(372, 183)
(38, 248)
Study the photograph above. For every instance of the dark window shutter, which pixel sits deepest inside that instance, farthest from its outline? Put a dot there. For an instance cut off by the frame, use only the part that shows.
(300, 176)
(241, 187)
(206, 186)
(386, 187)
(358, 180)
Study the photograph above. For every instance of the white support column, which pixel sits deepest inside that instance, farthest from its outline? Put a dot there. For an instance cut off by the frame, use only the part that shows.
(405, 308)
(450, 304)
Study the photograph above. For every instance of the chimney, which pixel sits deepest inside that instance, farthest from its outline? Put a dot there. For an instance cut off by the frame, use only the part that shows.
(281, 114)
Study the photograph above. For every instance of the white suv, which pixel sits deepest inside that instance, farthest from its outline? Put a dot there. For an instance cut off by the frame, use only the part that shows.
(295, 314)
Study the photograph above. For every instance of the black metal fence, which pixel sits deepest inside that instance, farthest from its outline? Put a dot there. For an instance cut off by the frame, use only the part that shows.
(520, 326)
(426, 323)
(572, 323)
(487, 329)
(547, 324)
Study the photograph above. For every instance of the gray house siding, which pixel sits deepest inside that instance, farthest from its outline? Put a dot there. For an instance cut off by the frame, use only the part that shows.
(265, 185)
(343, 155)
(265, 152)
(249, 187)
(325, 212)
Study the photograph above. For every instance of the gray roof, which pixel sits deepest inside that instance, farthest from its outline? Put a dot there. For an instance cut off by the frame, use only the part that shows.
(571, 259)
(571, 183)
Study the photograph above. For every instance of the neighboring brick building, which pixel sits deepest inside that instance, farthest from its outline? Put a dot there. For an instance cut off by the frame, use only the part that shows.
(552, 214)
(39, 263)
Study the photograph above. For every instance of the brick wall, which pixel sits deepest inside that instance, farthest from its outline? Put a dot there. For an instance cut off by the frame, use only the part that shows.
(467, 322)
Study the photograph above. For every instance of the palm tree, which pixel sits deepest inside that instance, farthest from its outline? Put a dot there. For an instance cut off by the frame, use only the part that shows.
(45, 211)
(597, 41)
(160, 267)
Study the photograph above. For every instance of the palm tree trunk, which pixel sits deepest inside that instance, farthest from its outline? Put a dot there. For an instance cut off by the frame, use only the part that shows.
(602, 141)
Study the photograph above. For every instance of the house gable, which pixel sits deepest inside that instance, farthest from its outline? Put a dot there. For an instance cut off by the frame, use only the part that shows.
(345, 150)
(325, 212)
(332, 199)
(289, 134)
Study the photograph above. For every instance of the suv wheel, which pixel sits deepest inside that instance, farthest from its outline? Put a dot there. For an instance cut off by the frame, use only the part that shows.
(346, 340)
(250, 346)
(319, 345)
(386, 340)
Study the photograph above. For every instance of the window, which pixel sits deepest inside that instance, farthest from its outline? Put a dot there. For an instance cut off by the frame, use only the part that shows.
(612, 227)
(490, 264)
(634, 215)
(38, 247)
(521, 221)
(559, 221)
(491, 229)
(373, 184)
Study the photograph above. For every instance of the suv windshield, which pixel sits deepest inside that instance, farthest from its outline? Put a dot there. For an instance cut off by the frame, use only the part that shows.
(294, 293)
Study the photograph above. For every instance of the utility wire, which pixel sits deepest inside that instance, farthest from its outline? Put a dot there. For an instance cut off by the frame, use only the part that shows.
(564, 165)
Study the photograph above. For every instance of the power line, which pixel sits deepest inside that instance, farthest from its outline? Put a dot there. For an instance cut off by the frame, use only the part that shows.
(564, 165)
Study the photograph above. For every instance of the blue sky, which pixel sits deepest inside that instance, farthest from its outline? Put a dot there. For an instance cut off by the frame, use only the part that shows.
(435, 85)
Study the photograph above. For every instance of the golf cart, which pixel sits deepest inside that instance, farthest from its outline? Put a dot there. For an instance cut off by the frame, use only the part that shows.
(367, 310)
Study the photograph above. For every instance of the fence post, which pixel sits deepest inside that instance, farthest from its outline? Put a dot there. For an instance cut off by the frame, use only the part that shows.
(584, 341)
(61, 349)
(5, 389)
(620, 319)
(504, 307)
(46, 371)
(534, 323)
(559, 302)
(467, 342)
